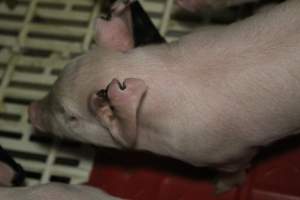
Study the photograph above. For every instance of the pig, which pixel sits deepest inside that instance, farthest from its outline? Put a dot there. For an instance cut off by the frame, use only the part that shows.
(54, 191)
(212, 98)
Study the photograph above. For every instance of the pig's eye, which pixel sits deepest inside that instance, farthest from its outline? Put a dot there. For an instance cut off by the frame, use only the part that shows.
(72, 118)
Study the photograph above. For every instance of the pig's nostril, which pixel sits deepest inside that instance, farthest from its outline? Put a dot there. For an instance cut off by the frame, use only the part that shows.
(122, 86)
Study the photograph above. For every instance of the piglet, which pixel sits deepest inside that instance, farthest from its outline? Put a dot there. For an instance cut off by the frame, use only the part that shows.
(213, 98)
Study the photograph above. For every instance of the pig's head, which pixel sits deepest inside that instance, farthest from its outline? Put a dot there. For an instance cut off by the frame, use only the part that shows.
(92, 101)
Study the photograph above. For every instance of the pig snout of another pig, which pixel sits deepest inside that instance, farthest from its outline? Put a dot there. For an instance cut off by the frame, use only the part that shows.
(210, 99)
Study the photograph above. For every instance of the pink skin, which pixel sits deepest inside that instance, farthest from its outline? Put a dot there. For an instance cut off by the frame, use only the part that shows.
(6, 175)
(192, 5)
(210, 99)
(35, 116)
(54, 191)
(118, 30)
(195, 5)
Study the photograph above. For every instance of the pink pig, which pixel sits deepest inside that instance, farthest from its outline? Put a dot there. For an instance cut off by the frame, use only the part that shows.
(213, 98)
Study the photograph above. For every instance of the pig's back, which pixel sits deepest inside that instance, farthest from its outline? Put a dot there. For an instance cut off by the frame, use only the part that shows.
(233, 91)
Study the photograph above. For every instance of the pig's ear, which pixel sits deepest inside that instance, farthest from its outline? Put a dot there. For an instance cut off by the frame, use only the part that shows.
(119, 114)
(115, 34)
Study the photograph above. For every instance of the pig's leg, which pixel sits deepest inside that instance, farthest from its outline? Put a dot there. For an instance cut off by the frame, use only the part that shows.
(226, 181)
(120, 6)
(116, 33)
(138, 22)
(234, 174)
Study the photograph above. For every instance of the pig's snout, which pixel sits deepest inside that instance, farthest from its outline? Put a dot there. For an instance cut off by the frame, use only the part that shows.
(35, 117)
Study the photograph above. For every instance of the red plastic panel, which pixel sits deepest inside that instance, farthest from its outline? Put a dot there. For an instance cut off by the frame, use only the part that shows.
(275, 179)
(139, 176)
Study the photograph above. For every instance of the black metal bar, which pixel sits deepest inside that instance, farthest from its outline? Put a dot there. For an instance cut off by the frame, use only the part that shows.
(144, 30)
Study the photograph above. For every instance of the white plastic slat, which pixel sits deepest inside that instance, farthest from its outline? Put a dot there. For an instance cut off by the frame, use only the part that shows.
(25, 94)
(9, 41)
(14, 108)
(53, 45)
(12, 144)
(62, 15)
(75, 2)
(57, 29)
(30, 61)
(50, 13)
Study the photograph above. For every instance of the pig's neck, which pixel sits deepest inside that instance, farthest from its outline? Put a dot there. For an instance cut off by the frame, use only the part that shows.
(164, 110)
